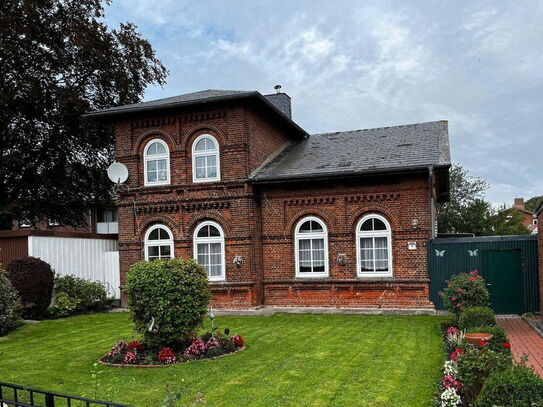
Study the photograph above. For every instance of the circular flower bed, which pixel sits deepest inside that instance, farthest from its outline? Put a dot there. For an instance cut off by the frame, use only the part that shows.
(207, 346)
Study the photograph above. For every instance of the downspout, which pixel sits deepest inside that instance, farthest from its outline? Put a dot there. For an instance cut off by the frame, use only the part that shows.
(431, 201)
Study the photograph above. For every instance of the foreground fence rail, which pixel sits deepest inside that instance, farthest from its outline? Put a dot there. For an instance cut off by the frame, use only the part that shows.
(21, 396)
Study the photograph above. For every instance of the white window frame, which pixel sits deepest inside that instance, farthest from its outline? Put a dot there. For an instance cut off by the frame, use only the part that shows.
(215, 239)
(147, 158)
(367, 234)
(302, 236)
(196, 154)
(151, 243)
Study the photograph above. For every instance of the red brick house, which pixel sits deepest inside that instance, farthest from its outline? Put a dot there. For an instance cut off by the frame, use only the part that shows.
(529, 219)
(277, 216)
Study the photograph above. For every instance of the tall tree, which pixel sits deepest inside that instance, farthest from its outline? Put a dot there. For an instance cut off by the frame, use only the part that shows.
(469, 212)
(58, 60)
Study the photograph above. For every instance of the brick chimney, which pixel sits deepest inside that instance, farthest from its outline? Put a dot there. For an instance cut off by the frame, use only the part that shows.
(519, 203)
(281, 101)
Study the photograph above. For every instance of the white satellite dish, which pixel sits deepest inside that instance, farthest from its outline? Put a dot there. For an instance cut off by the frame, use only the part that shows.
(117, 173)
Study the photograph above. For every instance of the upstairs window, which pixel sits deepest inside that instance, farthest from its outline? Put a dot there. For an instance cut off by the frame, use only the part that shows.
(157, 163)
(209, 250)
(311, 247)
(205, 159)
(373, 247)
(158, 243)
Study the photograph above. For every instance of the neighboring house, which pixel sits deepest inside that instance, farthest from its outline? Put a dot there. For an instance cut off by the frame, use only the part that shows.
(279, 217)
(529, 219)
(101, 221)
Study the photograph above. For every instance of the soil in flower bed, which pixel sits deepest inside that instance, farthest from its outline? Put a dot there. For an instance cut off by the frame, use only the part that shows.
(136, 353)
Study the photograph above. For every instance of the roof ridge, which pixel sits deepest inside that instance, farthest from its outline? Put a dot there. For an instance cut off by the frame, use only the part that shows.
(377, 128)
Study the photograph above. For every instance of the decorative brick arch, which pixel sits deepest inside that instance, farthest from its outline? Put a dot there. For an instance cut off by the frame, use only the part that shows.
(354, 218)
(146, 136)
(194, 131)
(159, 219)
(329, 220)
(214, 216)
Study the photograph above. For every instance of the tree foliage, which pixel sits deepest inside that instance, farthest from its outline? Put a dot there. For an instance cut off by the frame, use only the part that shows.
(58, 60)
(469, 212)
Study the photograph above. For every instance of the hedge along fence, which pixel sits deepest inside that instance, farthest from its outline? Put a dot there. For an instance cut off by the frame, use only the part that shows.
(450, 256)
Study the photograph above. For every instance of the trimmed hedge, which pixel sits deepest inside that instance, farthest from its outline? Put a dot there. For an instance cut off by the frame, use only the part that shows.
(515, 387)
(168, 299)
(10, 306)
(74, 295)
(33, 279)
(498, 336)
(476, 316)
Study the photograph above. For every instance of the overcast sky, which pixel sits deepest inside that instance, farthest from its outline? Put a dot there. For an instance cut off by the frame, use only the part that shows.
(362, 64)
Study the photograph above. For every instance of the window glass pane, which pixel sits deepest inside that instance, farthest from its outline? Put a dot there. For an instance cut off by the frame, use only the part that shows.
(154, 234)
(203, 250)
(215, 248)
(316, 227)
(215, 259)
(305, 227)
(367, 225)
(213, 231)
(378, 224)
(153, 251)
(160, 149)
(151, 165)
(305, 267)
(210, 144)
(381, 265)
(318, 267)
(152, 149)
(214, 270)
(381, 242)
(161, 164)
(381, 254)
(165, 251)
(201, 145)
(203, 232)
(366, 265)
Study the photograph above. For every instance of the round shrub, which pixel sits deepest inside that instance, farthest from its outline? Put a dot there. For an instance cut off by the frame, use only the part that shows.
(476, 316)
(10, 306)
(74, 295)
(33, 279)
(465, 290)
(516, 387)
(498, 337)
(168, 299)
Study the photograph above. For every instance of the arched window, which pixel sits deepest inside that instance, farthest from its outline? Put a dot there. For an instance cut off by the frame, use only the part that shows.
(374, 247)
(205, 159)
(311, 247)
(157, 163)
(158, 243)
(209, 249)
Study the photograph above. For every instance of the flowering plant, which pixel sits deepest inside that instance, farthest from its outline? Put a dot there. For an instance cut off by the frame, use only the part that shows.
(167, 355)
(456, 354)
(465, 290)
(450, 368)
(195, 349)
(450, 398)
(135, 345)
(130, 357)
(212, 342)
(506, 345)
(454, 340)
(449, 381)
(238, 340)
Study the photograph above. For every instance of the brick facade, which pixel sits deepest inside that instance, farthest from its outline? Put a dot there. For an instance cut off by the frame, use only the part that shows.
(258, 220)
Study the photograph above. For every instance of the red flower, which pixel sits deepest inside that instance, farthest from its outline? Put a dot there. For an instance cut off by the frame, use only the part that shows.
(238, 340)
(482, 342)
(473, 272)
(135, 345)
(472, 279)
(456, 353)
(167, 355)
(507, 345)
(454, 299)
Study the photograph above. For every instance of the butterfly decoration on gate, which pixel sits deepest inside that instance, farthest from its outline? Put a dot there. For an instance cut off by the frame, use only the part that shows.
(440, 253)
(473, 253)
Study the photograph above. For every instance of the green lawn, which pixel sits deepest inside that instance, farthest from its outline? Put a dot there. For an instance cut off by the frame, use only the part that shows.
(291, 360)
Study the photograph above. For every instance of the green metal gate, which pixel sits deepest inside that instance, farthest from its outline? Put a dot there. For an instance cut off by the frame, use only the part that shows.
(508, 263)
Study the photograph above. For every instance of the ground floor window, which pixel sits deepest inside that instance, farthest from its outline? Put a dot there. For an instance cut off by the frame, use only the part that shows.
(311, 246)
(209, 249)
(373, 246)
(158, 243)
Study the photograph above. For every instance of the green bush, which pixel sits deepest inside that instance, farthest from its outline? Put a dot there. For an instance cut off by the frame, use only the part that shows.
(498, 336)
(10, 306)
(515, 387)
(476, 316)
(74, 295)
(465, 290)
(475, 366)
(172, 293)
(33, 279)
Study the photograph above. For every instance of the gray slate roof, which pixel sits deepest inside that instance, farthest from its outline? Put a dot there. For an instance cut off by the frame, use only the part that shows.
(361, 151)
(188, 98)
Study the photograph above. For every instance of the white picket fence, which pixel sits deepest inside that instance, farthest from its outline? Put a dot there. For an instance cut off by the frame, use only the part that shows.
(88, 258)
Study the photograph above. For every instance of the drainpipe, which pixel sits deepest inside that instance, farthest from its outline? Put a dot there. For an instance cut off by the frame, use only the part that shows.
(431, 200)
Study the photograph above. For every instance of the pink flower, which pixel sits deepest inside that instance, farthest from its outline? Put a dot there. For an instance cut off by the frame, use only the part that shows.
(196, 348)
(472, 279)
(454, 299)
(456, 353)
(473, 272)
(458, 305)
(212, 343)
(449, 381)
(460, 290)
(130, 357)
(452, 330)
